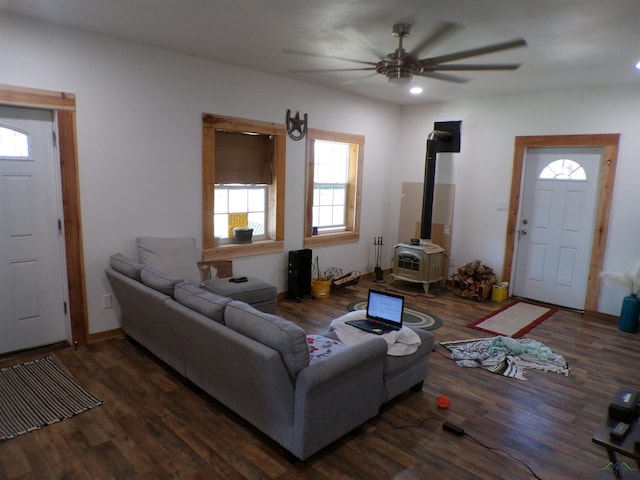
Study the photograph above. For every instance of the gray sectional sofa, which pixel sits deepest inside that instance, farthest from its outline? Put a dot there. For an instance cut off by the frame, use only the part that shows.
(260, 365)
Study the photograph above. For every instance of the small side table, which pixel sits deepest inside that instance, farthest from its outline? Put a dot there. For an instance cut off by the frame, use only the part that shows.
(626, 447)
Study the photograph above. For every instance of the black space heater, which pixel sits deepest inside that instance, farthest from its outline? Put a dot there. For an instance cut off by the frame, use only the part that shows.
(299, 273)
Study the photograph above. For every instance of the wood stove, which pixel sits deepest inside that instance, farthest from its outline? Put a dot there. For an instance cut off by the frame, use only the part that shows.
(421, 262)
(418, 263)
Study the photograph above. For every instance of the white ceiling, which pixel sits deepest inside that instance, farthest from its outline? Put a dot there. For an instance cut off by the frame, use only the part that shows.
(571, 43)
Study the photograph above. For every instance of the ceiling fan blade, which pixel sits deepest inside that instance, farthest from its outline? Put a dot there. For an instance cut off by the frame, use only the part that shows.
(474, 67)
(320, 55)
(325, 70)
(442, 76)
(520, 42)
(354, 36)
(358, 79)
(445, 30)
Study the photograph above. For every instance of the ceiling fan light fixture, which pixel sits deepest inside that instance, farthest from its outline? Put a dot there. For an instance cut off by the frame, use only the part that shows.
(397, 73)
(400, 80)
(415, 90)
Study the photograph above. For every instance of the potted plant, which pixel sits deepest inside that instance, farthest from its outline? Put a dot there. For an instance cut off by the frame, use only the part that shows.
(630, 312)
(242, 234)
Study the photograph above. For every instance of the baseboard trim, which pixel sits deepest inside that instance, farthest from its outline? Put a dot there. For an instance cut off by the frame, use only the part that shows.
(106, 335)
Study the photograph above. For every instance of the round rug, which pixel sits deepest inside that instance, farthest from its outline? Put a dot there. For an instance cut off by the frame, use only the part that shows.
(410, 317)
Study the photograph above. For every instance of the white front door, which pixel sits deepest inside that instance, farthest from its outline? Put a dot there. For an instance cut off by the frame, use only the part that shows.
(32, 276)
(557, 216)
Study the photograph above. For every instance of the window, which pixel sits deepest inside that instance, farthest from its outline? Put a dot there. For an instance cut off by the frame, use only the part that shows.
(563, 169)
(243, 185)
(330, 184)
(240, 206)
(334, 181)
(13, 144)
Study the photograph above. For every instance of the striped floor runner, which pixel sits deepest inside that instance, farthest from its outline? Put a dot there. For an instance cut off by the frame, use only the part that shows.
(36, 394)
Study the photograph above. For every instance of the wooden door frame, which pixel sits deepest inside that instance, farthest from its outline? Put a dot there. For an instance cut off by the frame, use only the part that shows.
(63, 105)
(609, 143)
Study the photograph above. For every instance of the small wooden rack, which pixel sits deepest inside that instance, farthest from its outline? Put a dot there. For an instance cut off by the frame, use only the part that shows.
(340, 280)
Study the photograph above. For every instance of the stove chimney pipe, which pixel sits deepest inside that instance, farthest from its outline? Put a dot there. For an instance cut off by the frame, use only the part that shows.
(429, 182)
(445, 137)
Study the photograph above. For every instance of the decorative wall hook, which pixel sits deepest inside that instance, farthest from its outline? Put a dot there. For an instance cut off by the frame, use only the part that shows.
(295, 124)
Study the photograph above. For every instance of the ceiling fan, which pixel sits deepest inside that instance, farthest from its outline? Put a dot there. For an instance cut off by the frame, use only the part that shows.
(401, 66)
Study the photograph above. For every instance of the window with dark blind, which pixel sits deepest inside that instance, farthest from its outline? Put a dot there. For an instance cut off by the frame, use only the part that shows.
(243, 184)
(243, 158)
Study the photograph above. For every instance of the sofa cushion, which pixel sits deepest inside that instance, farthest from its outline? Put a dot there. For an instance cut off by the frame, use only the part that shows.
(323, 347)
(125, 266)
(202, 301)
(285, 337)
(176, 256)
(158, 280)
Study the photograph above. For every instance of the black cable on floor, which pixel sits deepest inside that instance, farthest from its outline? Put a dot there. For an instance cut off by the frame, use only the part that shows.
(399, 427)
(465, 434)
(499, 450)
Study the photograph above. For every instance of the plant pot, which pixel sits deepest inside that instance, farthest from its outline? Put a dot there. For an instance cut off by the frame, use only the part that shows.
(320, 288)
(629, 314)
(242, 234)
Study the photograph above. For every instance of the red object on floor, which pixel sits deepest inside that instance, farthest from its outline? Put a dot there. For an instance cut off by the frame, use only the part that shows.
(443, 401)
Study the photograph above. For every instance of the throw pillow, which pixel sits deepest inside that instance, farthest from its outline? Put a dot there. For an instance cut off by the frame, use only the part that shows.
(176, 256)
(322, 347)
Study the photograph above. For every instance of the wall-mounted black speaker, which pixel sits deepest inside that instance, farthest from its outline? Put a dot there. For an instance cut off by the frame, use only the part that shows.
(299, 273)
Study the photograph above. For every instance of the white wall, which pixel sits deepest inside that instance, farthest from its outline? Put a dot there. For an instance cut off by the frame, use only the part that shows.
(140, 139)
(482, 170)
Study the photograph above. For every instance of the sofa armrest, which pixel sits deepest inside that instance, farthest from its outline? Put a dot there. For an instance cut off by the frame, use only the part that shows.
(335, 395)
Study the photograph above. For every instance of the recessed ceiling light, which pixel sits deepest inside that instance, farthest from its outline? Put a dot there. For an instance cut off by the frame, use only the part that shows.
(415, 90)
(638, 66)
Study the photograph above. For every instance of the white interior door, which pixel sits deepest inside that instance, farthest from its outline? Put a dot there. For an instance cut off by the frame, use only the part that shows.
(560, 191)
(33, 292)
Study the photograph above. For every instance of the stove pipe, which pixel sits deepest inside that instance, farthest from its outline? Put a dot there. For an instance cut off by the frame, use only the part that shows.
(429, 181)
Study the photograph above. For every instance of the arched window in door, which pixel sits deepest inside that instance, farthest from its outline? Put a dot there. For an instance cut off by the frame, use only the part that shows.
(13, 143)
(563, 169)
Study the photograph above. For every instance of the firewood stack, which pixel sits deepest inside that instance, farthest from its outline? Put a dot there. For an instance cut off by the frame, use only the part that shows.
(474, 280)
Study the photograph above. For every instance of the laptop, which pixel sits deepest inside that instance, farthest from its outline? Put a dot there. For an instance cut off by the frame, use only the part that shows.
(384, 313)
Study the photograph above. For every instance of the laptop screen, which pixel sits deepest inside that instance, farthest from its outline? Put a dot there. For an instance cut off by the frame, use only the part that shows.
(385, 307)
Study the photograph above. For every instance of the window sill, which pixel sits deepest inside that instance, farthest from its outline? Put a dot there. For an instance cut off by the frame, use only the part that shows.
(331, 239)
(235, 250)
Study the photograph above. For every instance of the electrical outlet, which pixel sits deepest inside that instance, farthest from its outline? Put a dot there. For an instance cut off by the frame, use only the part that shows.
(107, 300)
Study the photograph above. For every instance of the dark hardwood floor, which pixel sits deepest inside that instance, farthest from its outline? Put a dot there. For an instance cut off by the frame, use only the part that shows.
(154, 424)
